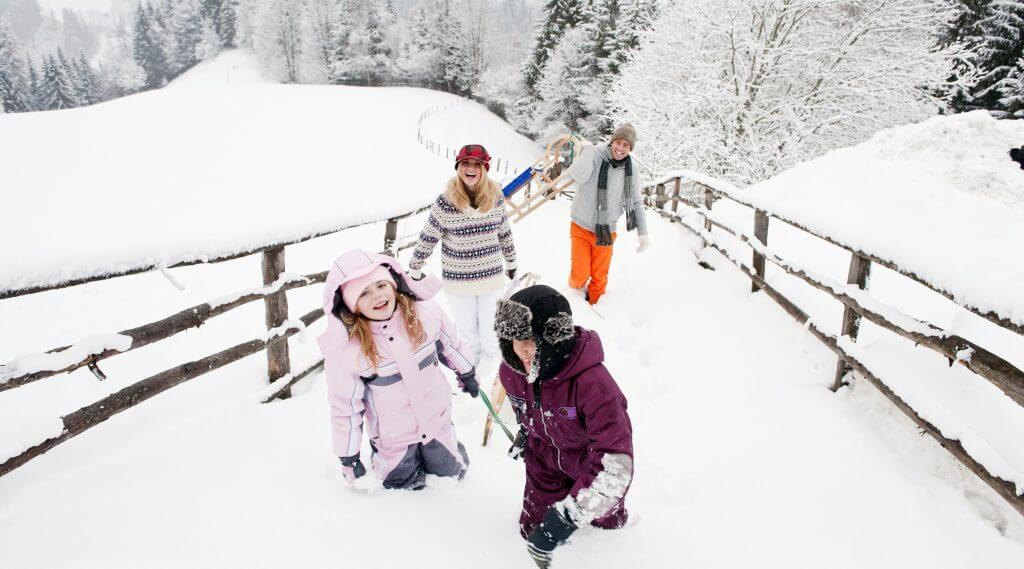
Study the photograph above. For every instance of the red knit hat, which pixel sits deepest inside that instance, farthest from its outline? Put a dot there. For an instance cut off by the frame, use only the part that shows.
(474, 152)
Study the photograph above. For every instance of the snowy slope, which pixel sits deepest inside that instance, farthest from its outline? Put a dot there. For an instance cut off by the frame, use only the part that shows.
(169, 165)
(940, 198)
(744, 459)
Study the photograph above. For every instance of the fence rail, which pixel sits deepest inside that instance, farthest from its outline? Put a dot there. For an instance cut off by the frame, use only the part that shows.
(857, 305)
(276, 283)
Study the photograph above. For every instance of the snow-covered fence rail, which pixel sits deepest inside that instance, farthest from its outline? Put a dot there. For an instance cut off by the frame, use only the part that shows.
(700, 194)
(88, 353)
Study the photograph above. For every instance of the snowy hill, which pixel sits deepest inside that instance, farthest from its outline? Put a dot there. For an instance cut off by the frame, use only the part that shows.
(744, 458)
(199, 170)
(941, 199)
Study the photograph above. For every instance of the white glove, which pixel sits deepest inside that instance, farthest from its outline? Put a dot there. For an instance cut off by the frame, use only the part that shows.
(645, 242)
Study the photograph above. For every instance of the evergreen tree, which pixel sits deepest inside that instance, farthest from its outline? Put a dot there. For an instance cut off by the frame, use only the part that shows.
(1003, 30)
(86, 83)
(344, 23)
(148, 53)
(185, 27)
(567, 90)
(57, 90)
(34, 85)
(226, 24)
(15, 89)
(368, 56)
(454, 57)
(209, 41)
(559, 15)
(964, 33)
(1012, 90)
(638, 17)
(68, 79)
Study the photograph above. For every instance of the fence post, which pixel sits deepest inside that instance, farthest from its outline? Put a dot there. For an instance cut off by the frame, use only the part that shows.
(860, 272)
(709, 200)
(390, 236)
(761, 233)
(675, 202)
(659, 196)
(276, 309)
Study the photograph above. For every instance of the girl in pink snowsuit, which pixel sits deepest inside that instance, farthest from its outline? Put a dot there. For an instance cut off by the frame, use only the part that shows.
(384, 342)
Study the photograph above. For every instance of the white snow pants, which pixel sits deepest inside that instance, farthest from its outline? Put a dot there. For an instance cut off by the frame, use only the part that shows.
(474, 316)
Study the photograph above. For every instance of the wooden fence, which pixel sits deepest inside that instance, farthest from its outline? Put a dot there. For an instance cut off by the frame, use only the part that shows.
(665, 198)
(279, 328)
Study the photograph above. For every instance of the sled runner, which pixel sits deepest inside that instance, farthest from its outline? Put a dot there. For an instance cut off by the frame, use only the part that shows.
(545, 179)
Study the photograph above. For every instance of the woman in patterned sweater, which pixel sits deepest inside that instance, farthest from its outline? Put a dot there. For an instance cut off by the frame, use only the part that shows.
(477, 250)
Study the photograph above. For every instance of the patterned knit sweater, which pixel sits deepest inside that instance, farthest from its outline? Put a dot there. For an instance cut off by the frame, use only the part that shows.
(472, 246)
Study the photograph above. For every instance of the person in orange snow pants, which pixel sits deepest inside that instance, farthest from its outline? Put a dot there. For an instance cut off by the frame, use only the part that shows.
(605, 190)
(589, 261)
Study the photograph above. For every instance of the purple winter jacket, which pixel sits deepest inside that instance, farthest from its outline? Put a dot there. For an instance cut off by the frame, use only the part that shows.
(577, 416)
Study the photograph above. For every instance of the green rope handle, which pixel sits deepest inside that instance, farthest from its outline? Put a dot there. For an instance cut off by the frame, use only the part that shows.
(487, 402)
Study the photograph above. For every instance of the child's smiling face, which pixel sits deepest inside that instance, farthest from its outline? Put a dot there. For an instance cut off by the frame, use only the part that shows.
(377, 301)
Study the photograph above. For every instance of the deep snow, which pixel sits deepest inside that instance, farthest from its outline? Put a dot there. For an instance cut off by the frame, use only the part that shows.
(744, 458)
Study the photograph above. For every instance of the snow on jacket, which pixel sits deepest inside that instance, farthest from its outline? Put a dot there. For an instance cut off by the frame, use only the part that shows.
(406, 399)
(577, 422)
(473, 246)
(585, 170)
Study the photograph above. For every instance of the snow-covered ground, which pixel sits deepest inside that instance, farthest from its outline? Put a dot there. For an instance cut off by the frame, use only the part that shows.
(744, 458)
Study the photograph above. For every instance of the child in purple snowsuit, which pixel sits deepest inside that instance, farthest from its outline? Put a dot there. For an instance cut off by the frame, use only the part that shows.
(575, 435)
(385, 338)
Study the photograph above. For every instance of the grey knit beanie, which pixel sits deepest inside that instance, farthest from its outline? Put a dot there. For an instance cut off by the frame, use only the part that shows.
(625, 132)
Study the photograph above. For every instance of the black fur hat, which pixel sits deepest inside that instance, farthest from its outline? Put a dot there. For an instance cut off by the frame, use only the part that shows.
(541, 313)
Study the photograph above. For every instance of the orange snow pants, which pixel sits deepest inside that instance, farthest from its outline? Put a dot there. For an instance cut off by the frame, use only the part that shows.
(589, 261)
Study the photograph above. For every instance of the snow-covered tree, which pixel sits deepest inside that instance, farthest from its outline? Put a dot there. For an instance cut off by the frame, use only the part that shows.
(86, 84)
(209, 41)
(277, 38)
(56, 87)
(186, 28)
(559, 15)
(1003, 46)
(147, 49)
(1012, 90)
(742, 89)
(568, 95)
(963, 35)
(370, 54)
(15, 89)
(319, 23)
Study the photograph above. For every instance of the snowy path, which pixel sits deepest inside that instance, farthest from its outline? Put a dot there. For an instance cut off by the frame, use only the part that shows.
(744, 459)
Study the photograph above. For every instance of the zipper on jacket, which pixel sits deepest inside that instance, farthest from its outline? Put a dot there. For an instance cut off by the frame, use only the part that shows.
(544, 424)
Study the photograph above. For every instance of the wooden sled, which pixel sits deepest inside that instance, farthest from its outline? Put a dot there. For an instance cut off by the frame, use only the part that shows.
(545, 180)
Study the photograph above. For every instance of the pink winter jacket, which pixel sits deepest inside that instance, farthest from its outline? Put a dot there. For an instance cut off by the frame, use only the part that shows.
(405, 400)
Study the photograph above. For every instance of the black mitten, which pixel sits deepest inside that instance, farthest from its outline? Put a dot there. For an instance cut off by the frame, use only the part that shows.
(552, 532)
(515, 452)
(468, 382)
